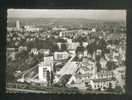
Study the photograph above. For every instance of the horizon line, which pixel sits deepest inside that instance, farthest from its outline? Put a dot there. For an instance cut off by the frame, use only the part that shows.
(67, 18)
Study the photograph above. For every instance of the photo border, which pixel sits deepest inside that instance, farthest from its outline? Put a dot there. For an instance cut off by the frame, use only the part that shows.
(57, 4)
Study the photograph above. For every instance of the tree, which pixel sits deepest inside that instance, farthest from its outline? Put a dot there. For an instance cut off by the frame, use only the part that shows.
(110, 87)
(64, 47)
(64, 79)
(10, 69)
(48, 77)
(21, 55)
(111, 65)
(98, 67)
(51, 78)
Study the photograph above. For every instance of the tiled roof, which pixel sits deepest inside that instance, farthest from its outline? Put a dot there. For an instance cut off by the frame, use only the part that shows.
(104, 79)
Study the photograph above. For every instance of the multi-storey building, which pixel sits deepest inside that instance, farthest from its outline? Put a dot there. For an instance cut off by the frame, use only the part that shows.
(43, 69)
(61, 55)
(102, 80)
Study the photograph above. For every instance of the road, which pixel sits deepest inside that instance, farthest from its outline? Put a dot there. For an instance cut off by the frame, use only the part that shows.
(13, 90)
(24, 90)
(29, 70)
(69, 68)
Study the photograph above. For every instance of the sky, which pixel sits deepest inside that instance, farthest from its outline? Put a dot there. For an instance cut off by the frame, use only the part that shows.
(68, 13)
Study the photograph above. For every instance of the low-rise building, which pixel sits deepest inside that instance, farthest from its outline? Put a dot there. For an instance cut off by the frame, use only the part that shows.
(45, 52)
(103, 63)
(61, 55)
(21, 48)
(72, 47)
(102, 80)
(77, 81)
(31, 29)
(87, 66)
(103, 84)
(85, 44)
(34, 51)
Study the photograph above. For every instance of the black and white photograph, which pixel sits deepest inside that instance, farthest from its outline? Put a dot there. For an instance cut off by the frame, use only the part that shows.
(66, 51)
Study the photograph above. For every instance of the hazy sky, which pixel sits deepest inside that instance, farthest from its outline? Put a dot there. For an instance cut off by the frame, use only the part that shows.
(68, 13)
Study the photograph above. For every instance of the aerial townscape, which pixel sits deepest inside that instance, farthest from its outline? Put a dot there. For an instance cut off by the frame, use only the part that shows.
(52, 55)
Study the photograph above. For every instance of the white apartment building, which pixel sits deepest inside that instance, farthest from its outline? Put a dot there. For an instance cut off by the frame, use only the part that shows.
(46, 65)
(61, 55)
